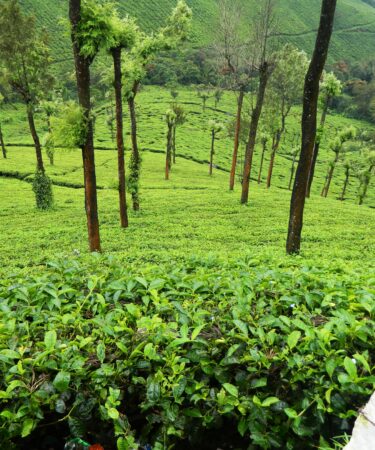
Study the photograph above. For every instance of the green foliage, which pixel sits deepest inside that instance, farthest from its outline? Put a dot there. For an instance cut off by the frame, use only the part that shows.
(69, 127)
(42, 187)
(188, 346)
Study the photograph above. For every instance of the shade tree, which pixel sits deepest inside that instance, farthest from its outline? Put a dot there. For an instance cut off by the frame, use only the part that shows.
(170, 119)
(215, 129)
(25, 65)
(337, 146)
(330, 88)
(285, 91)
(309, 124)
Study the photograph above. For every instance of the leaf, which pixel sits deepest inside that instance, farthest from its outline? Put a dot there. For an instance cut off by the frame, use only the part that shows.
(291, 413)
(241, 326)
(196, 332)
(122, 444)
(27, 427)
(50, 339)
(243, 426)
(231, 389)
(11, 354)
(293, 339)
(330, 366)
(113, 413)
(100, 352)
(363, 361)
(351, 368)
(153, 391)
(133, 310)
(61, 381)
(269, 401)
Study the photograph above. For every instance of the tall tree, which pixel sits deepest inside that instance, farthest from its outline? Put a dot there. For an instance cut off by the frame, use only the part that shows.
(170, 118)
(337, 146)
(180, 120)
(309, 124)
(264, 139)
(123, 35)
(365, 177)
(285, 90)
(232, 54)
(90, 29)
(135, 69)
(215, 129)
(24, 54)
(263, 26)
(331, 87)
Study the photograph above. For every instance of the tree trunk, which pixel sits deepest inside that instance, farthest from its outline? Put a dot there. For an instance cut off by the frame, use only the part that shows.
(168, 155)
(347, 174)
(316, 152)
(34, 134)
(329, 177)
(136, 158)
(3, 149)
(270, 169)
(263, 80)
(292, 172)
(264, 148)
(174, 144)
(116, 54)
(212, 152)
(82, 66)
(310, 106)
(236, 139)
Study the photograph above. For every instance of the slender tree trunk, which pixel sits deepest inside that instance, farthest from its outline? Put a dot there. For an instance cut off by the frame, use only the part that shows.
(212, 152)
(329, 177)
(136, 157)
(34, 134)
(316, 152)
(168, 155)
(310, 106)
(174, 144)
(236, 139)
(270, 169)
(275, 147)
(347, 174)
(116, 54)
(82, 66)
(292, 172)
(363, 191)
(263, 80)
(3, 149)
(264, 148)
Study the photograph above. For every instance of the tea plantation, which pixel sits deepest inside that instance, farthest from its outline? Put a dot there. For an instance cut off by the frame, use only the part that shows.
(193, 329)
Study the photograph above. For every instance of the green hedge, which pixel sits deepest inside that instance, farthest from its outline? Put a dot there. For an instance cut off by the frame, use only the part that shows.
(167, 356)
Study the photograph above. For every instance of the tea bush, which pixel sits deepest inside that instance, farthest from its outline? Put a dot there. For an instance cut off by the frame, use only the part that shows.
(166, 354)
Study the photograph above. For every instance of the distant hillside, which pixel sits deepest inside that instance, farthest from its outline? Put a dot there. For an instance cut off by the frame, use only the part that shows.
(354, 37)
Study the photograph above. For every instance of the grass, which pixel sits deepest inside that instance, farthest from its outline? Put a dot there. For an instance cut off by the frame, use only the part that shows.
(354, 28)
(192, 215)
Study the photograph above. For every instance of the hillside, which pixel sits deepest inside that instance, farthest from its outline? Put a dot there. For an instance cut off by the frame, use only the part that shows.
(298, 20)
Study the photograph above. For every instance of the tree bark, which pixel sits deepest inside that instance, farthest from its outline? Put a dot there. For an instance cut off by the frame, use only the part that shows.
(34, 134)
(347, 174)
(264, 148)
(270, 169)
(169, 151)
(212, 152)
(236, 139)
(263, 80)
(116, 54)
(316, 152)
(310, 106)
(329, 177)
(3, 149)
(82, 66)
(174, 144)
(136, 159)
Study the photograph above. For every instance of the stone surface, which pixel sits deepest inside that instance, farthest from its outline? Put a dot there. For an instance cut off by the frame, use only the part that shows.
(363, 437)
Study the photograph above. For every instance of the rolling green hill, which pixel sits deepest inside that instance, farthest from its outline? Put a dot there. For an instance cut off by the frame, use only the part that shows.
(354, 37)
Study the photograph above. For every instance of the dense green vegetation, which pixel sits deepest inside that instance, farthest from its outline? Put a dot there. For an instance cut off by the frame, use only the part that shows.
(171, 355)
(355, 23)
(193, 329)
